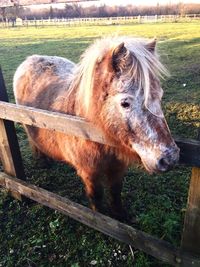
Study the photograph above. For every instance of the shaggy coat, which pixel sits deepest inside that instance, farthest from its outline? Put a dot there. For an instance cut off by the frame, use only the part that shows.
(115, 86)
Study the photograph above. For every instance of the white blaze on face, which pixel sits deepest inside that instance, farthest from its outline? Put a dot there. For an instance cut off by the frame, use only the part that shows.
(144, 128)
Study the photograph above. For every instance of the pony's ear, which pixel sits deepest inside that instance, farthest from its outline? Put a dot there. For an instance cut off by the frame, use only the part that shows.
(118, 57)
(151, 46)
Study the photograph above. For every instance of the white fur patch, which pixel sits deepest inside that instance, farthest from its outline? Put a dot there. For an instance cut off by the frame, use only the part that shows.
(63, 66)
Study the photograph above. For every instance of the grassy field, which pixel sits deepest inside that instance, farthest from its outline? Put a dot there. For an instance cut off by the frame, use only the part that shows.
(32, 235)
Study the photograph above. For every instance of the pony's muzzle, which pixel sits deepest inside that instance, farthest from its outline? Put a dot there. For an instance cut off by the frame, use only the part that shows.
(168, 159)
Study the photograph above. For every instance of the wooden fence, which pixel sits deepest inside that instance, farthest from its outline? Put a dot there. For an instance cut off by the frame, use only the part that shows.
(13, 178)
(96, 21)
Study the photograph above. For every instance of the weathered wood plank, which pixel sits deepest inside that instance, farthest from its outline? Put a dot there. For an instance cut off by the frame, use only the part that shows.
(11, 156)
(191, 232)
(190, 149)
(158, 248)
(51, 120)
(9, 147)
(5, 153)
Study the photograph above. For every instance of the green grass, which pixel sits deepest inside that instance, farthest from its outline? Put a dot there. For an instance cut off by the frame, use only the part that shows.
(32, 235)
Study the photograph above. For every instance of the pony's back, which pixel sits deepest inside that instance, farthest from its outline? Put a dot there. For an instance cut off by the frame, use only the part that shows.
(39, 80)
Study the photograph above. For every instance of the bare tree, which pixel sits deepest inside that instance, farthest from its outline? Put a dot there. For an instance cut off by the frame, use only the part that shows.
(76, 10)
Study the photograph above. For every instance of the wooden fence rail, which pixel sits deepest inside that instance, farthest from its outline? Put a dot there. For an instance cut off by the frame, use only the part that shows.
(187, 255)
(77, 126)
(160, 249)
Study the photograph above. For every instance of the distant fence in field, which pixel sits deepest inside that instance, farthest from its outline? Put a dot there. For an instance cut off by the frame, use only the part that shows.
(96, 21)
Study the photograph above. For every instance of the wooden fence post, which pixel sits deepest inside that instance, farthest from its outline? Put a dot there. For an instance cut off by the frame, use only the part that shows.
(9, 147)
(191, 232)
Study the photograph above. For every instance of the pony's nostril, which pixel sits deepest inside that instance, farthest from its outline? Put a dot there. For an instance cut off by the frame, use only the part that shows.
(169, 158)
(163, 164)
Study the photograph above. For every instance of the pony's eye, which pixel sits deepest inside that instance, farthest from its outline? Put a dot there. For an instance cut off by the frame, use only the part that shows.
(125, 103)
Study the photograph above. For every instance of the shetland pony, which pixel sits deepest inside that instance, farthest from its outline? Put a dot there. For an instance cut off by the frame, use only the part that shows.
(117, 87)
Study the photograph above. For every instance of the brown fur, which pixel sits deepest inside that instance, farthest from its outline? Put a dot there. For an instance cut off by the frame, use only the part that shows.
(40, 85)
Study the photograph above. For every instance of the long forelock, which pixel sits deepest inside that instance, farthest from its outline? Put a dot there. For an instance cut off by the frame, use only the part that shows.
(145, 64)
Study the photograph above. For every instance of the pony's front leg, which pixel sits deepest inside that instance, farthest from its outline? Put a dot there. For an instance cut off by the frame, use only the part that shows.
(117, 209)
(94, 190)
(115, 184)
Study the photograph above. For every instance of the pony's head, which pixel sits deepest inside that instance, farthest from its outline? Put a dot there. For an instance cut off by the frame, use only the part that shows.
(119, 90)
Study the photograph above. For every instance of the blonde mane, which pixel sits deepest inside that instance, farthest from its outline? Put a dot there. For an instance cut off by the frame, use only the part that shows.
(145, 64)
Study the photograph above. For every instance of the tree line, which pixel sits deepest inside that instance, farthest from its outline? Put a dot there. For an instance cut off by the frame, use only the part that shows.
(78, 11)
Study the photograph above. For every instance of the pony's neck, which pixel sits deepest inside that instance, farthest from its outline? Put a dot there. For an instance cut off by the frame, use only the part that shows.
(65, 102)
